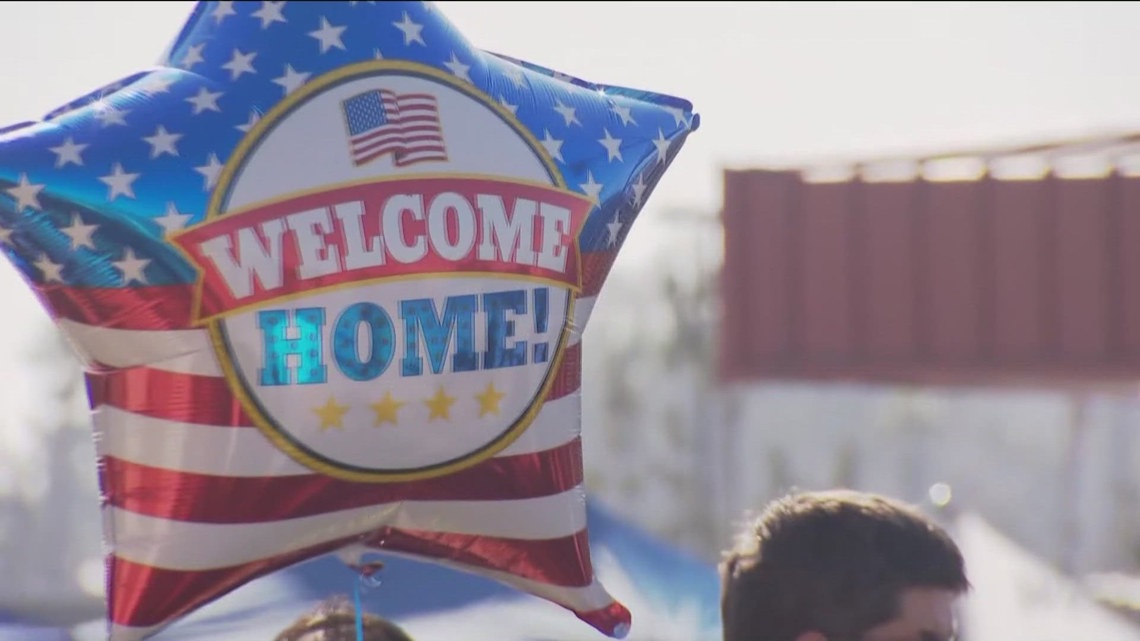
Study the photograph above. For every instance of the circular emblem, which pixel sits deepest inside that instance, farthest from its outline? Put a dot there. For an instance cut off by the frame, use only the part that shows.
(388, 269)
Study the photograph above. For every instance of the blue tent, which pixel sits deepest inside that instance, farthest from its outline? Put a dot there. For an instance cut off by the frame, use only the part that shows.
(24, 632)
(658, 581)
(14, 628)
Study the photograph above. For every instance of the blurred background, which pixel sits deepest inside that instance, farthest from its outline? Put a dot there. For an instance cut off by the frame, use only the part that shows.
(897, 256)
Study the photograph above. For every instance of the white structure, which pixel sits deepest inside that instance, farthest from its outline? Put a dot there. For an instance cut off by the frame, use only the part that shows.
(1018, 597)
(688, 459)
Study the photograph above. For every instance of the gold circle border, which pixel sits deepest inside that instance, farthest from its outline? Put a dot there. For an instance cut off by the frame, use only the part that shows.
(237, 382)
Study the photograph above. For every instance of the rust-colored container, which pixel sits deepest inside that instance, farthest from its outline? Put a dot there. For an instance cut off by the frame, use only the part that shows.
(981, 281)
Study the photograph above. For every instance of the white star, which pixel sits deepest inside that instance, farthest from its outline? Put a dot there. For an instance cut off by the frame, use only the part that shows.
(662, 145)
(678, 115)
(240, 63)
(108, 115)
(269, 13)
(508, 106)
(411, 30)
(553, 146)
(591, 188)
(515, 73)
(638, 190)
(253, 118)
(614, 227)
(210, 172)
(162, 142)
(612, 145)
(458, 68)
(193, 56)
(623, 113)
(119, 183)
(156, 83)
(224, 8)
(132, 267)
(80, 233)
(328, 35)
(53, 272)
(172, 220)
(567, 113)
(291, 79)
(68, 152)
(377, 55)
(5, 236)
(27, 194)
(205, 100)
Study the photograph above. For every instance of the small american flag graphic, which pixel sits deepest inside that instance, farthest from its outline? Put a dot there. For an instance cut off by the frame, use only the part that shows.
(382, 122)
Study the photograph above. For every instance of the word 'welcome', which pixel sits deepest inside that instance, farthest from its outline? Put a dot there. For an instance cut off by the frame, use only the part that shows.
(385, 229)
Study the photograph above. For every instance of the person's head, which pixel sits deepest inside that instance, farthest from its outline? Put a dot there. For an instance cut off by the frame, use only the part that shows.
(335, 620)
(841, 566)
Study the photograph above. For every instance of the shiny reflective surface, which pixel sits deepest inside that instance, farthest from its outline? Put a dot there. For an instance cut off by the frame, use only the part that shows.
(328, 269)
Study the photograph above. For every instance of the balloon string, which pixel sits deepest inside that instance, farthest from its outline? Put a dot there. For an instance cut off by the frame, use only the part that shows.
(366, 578)
(359, 611)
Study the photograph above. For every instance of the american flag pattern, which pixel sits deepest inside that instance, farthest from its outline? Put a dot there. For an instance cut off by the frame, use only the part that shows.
(384, 122)
(196, 502)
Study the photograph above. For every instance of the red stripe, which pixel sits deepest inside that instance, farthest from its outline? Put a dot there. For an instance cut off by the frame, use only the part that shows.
(409, 101)
(144, 596)
(412, 96)
(400, 149)
(162, 307)
(185, 398)
(208, 400)
(595, 267)
(148, 308)
(569, 377)
(188, 496)
(607, 619)
(415, 102)
(428, 139)
(395, 131)
(407, 159)
(416, 110)
(361, 157)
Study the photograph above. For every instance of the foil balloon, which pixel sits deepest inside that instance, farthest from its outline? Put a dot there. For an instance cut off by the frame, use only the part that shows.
(327, 267)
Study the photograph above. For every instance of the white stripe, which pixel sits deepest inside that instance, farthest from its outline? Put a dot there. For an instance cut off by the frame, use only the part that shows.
(580, 599)
(582, 308)
(183, 545)
(557, 423)
(190, 351)
(186, 351)
(245, 452)
(186, 447)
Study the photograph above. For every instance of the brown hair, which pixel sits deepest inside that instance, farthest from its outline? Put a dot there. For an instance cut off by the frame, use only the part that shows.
(835, 562)
(335, 620)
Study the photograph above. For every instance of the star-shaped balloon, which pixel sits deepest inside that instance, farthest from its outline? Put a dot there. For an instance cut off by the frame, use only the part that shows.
(328, 267)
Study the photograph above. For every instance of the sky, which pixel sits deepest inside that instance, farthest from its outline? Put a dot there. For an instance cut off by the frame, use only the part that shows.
(774, 82)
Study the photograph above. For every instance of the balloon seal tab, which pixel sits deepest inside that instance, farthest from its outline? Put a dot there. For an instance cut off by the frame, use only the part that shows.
(370, 574)
(367, 577)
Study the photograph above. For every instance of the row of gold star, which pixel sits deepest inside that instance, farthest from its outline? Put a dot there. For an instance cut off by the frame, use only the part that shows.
(331, 414)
